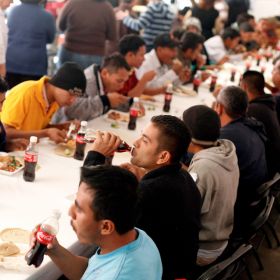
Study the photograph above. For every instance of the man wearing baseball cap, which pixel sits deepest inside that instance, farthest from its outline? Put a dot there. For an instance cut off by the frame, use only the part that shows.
(29, 106)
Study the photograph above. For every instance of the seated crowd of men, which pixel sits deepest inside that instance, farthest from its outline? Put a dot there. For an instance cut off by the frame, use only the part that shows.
(164, 216)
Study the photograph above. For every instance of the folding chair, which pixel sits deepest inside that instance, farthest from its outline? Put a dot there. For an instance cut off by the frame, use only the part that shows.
(230, 268)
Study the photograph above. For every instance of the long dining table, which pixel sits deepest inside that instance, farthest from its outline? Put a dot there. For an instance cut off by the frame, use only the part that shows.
(25, 204)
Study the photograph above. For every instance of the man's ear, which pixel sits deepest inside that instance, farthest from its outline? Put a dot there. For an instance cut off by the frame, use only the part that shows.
(107, 227)
(164, 158)
(104, 73)
(219, 108)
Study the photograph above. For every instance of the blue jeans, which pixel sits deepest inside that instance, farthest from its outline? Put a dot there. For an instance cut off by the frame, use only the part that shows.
(84, 60)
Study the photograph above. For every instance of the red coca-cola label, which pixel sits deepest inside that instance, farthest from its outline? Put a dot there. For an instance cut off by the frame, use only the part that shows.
(80, 139)
(196, 82)
(44, 237)
(30, 157)
(214, 79)
(133, 112)
(168, 96)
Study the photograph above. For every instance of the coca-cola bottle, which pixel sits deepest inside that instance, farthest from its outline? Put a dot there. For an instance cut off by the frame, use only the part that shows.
(44, 236)
(232, 76)
(133, 113)
(214, 78)
(197, 81)
(80, 142)
(167, 98)
(91, 136)
(30, 160)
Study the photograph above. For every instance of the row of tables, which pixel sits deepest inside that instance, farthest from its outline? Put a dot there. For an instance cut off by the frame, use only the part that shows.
(24, 204)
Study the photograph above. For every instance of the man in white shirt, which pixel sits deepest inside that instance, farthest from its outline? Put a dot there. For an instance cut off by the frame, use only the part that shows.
(161, 60)
(219, 47)
(4, 4)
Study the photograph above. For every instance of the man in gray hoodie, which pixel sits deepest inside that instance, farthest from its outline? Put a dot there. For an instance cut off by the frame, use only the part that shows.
(215, 166)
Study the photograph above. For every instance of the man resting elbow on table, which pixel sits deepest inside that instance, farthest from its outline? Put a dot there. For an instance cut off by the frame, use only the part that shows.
(29, 106)
(104, 214)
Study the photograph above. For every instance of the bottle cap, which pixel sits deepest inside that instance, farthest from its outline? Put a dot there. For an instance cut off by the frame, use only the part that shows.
(135, 99)
(33, 139)
(83, 123)
(56, 213)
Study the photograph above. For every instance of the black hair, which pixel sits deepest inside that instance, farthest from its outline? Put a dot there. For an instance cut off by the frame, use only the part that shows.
(130, 43)
(3, 85)
(178, 33)
(115, 195)
(234, 100)
(246, 27)
(164, 40)
(184, 11)
(230, 33)
(191, 40)
(244, 17)
(174, 135)
(255, 82)
(115, 62)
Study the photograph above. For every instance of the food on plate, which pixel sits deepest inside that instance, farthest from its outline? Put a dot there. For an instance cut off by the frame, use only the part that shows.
(16, 235)
(66, 149)
(147, 98)
(8, 249)
(184, 91)
(9, 163)
(118, 116)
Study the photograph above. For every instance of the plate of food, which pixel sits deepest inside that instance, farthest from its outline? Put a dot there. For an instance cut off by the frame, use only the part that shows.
(66, 149)
(14, 243)
(183, 91)
(117, 116)
(10, 164)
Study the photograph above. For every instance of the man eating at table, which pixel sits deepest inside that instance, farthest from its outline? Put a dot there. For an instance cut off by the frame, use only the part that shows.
(169, 199)
(29, 106)
(104, 214)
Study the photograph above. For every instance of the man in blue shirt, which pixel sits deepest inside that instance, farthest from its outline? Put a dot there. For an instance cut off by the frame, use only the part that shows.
(104, 214)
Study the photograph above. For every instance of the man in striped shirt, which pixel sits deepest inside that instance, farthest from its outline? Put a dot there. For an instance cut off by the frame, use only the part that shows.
(156, 20)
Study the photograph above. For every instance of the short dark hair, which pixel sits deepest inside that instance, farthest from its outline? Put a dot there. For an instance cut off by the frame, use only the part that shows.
(255, 82)
(178, 33)
(234, 100)
(130, 43)
(115, 62)
(246, 27)
(115, 195)
(164, 40)
(174, 135)
(230, 33)
(191, 40)
(244, 17)
(3, 85)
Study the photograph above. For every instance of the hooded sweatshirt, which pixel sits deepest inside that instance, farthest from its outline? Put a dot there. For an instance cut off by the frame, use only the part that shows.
(263, 109)
(217, 180)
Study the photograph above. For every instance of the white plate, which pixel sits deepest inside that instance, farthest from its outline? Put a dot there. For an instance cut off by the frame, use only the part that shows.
(4, 172)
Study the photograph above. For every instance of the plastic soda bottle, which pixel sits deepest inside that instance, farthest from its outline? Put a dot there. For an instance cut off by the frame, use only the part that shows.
(44, 236)
(30, 160)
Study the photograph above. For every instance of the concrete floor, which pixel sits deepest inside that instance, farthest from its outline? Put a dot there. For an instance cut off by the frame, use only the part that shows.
(270, 259)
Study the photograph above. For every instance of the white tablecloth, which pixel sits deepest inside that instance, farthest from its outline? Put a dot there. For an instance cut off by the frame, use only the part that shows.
(24, 204)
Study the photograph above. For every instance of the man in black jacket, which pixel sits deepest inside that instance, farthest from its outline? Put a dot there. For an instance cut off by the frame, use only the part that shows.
(249, 138)
(262, 107)
(170, 201)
